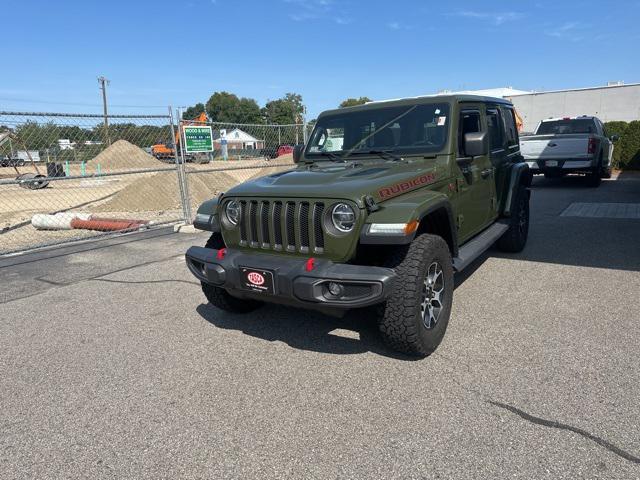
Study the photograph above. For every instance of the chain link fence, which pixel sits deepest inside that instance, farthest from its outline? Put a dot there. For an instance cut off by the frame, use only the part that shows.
(65, 177)
(241, 152)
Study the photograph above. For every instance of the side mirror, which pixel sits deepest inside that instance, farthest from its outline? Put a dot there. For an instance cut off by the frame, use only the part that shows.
(476, 144)
(297, 153)
(615, 138)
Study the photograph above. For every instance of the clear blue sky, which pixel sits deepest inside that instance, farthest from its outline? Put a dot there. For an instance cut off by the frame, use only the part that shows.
(158, 52)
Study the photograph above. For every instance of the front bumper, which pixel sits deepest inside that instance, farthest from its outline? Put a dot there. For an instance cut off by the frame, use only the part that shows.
(293, 283)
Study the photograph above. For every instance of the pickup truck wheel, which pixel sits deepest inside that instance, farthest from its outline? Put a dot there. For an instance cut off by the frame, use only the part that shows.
(605, 171)
(219, 297)
(594, 178)
(414, 318)
(515, 238)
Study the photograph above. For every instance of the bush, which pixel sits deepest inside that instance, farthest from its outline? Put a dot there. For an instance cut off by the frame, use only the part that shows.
(626, 152)
(616, 128)
(630, 147)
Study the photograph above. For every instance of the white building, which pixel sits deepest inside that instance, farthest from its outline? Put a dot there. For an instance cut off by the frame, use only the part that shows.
(613, 102)
(239, 140)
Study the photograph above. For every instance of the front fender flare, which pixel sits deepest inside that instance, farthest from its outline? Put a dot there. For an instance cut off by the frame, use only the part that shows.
(208, 209)
(414, 206)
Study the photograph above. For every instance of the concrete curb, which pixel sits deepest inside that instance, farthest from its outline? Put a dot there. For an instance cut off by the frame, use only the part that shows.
(183, 228)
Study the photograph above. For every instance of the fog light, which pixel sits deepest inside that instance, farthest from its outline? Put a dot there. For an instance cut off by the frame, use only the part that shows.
(336, 289)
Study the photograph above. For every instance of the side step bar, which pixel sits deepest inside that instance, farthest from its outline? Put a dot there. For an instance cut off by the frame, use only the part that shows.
(476, 247)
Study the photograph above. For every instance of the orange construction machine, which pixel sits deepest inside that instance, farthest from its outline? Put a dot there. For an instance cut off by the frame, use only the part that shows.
(165, 151)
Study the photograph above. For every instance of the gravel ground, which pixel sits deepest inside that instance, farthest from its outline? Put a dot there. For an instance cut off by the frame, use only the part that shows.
(113, 366)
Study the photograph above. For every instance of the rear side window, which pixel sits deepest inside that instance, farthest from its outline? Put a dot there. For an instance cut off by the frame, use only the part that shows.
(510, 127)
(469, 123)
(495, 129)
(567, 126)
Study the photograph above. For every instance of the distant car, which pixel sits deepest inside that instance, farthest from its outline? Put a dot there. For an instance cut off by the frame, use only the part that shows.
(11, 162)
(284, 150)
(570, 145)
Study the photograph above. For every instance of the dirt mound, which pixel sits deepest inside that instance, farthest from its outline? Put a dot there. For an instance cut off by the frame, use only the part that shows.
(123, 155)
(160, 192)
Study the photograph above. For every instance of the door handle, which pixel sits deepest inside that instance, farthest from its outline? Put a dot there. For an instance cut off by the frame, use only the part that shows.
(486, 173)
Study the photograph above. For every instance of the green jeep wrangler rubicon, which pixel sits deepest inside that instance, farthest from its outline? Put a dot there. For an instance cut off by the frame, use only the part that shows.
(387, 200)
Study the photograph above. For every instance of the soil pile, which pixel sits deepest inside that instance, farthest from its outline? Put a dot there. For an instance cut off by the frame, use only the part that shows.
(123, 155)
(160, 192)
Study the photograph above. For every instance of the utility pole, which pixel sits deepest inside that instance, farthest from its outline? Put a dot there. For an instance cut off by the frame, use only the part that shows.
(103, 86)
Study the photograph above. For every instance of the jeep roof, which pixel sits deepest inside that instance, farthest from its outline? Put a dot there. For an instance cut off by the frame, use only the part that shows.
(425, 99)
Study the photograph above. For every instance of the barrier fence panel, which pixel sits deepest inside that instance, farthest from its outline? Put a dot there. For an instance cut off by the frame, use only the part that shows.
(65, 177)
(241, 152)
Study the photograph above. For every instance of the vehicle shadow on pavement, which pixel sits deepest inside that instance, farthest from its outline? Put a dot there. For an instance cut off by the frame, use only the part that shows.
(582, 239)
(355, 333)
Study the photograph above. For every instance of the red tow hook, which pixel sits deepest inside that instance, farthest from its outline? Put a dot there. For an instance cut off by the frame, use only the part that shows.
(221, 253)
(311, 263)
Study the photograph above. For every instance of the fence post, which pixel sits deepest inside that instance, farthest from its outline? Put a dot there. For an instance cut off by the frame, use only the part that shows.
(185, 182)
(305, 126)
(180, 173)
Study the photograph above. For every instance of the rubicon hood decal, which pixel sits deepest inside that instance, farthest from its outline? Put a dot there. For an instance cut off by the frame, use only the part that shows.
(406, 186)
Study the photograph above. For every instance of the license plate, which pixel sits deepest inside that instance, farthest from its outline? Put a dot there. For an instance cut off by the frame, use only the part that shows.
(257, 280)
(552, 163)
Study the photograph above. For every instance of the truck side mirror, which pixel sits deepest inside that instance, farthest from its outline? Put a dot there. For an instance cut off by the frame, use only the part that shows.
(297, 153)
(476, 144)
(615, 138)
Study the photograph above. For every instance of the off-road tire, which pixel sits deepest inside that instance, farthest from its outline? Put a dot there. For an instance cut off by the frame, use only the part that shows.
(515, 238)
(219, 297)
(400, 318)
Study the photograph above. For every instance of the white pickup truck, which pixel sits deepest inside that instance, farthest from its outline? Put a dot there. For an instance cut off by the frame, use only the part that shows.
(569, 145)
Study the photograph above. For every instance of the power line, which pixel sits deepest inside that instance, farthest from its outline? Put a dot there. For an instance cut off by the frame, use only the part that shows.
(76, 104)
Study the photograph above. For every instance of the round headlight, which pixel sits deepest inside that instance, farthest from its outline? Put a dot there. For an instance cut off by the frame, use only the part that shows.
(232, 211)
(343, 217)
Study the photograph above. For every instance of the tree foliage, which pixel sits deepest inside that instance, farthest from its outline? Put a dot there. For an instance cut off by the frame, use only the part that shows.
(352, 102)
(88, 140)
(284, 111)
(193, 112)
(227, 107)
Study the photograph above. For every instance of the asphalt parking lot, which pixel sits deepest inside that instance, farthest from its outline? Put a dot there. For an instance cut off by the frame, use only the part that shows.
(113, 366)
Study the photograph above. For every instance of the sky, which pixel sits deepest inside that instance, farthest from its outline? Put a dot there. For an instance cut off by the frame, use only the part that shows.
(158, 53)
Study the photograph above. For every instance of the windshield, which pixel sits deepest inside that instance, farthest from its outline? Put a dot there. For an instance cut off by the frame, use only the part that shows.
(566, 127)
(406, 129)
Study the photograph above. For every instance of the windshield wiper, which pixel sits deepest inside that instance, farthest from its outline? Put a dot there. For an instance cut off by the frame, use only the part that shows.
(332, 156)
(388, 154)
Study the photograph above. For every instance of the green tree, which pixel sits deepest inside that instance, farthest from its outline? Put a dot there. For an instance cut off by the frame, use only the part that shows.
(284, 111)
(193, 111)
(352, 102)
(227, 107)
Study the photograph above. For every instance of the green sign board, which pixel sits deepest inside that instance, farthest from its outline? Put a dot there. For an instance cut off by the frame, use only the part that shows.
(198, 139)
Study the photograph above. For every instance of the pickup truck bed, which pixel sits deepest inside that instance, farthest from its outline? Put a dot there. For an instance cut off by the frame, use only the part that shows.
(568, 145)
(558, 151)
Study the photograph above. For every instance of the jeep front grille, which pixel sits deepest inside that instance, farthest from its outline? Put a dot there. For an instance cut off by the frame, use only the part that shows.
(282, 225)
